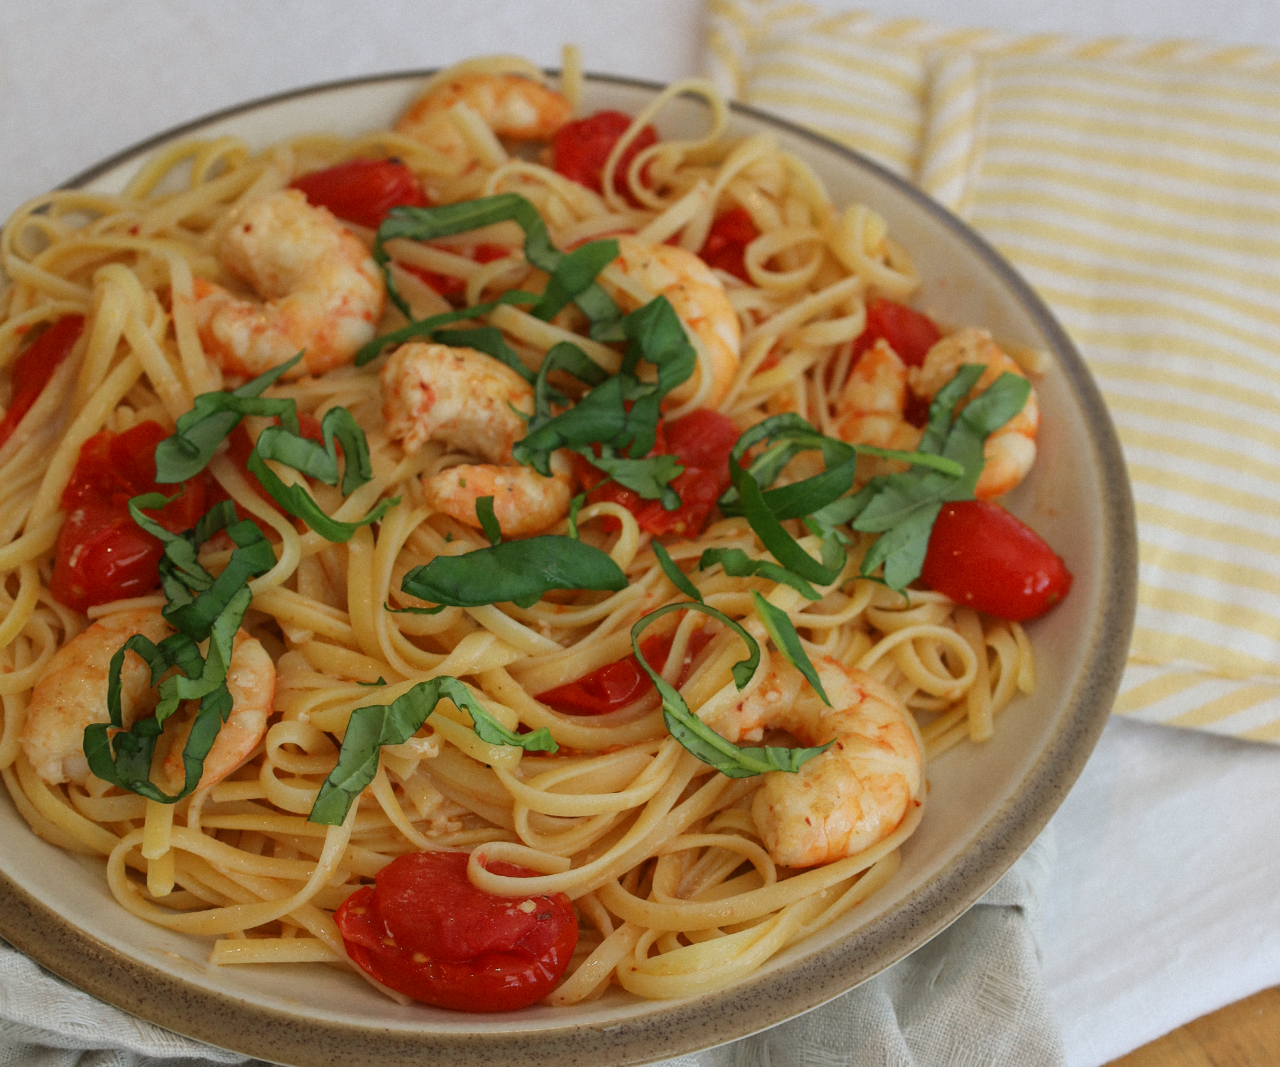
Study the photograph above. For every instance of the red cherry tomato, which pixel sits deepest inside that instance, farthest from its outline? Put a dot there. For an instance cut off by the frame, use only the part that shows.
(424, 930)
(701, 441)
(727, 241)
(450, 286)
(908, 332)
(34, 368)
(363, 190)
(101, 553)
(615, 685)
(580, 149)
(982, 556)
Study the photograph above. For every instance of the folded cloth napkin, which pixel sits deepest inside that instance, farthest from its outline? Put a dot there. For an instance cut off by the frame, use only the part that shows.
(919, 1013)
(1137, 187)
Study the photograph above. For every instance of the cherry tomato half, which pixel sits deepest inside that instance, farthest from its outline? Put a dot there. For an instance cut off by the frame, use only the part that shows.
(981, 556)
(701, 441)
(615, 685)
(580, 149)
(727, 241)
(101, 553)
(363, 190)
(34, 368)
(908, 332)
(424, 930)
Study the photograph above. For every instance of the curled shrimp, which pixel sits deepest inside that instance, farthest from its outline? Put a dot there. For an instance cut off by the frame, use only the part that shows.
(643, 271)
(73, 694)
(851, 796)
(510, 105)
(469, 400)
(319, 289)
(870, 407)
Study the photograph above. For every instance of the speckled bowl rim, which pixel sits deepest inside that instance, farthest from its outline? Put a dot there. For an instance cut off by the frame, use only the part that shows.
(753, 1004)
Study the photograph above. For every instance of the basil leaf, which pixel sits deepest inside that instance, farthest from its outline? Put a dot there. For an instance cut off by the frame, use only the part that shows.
(572, 276)
(298, 502)
(488, 520)
(650, 478)
(786, 550)
(428, 327)
(212, 417)
(486, 339)
(678, 578)
(518, 571)
(381, 681)
(414, 611)
(696, 736)
(575, 505)
(787, 642)
(737, 564)
(372, 727)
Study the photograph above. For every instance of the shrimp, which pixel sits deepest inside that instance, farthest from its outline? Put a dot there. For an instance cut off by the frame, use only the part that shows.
(469, 401)
(643, 271)
(1011, 450)
(511, 105)
(321, 290)
(853, 795)
(870, 407)
(73, 693)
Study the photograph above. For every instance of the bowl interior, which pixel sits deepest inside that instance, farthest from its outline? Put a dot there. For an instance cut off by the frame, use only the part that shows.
(986, 802)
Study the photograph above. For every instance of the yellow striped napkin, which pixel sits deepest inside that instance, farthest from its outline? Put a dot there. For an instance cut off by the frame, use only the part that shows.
(1137, 187)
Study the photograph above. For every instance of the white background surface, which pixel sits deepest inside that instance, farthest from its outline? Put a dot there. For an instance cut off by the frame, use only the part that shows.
(1164, 904)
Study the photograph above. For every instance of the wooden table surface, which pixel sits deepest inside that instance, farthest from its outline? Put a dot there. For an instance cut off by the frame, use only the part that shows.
(1244, 1034)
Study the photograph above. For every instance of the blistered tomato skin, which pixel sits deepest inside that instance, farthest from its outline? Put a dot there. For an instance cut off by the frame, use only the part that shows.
(363, 190)
(984, 558)
(581, 149)
(425, 931)
(101, 553)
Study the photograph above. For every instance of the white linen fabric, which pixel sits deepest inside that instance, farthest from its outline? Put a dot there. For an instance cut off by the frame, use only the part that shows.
(973, 995)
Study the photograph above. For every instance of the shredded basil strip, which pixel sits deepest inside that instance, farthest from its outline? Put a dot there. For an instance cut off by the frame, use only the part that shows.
(202, 608)
(414, 611)
(488, 520)
(572, 274)
(575, 505)
(787, 641)
(695, 735)
(212, 417)
(903, 507)
(320, 461)
(371, 727)
(429, 327)
(518, 571)
(786, 550)
(620, 414)
(677, 577)
(297, 501)
(489, 340)
(737, 564)
(381, 681)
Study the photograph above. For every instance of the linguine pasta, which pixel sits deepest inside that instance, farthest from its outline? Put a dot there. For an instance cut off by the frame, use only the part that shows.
(674, 890)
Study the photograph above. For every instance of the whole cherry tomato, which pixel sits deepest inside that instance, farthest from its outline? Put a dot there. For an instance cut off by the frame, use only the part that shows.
(908, 332)
(363, 190)
(981, 556)
(580, 149)
(34, 368)
(701, 441)
(424, 930)
(615, 685)
(726, 243)
(101, 553)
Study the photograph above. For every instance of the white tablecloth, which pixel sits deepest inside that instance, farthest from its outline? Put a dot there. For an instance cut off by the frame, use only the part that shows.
(1162, 903)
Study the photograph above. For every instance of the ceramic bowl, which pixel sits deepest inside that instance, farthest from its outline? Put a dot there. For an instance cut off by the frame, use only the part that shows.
(986, 805)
